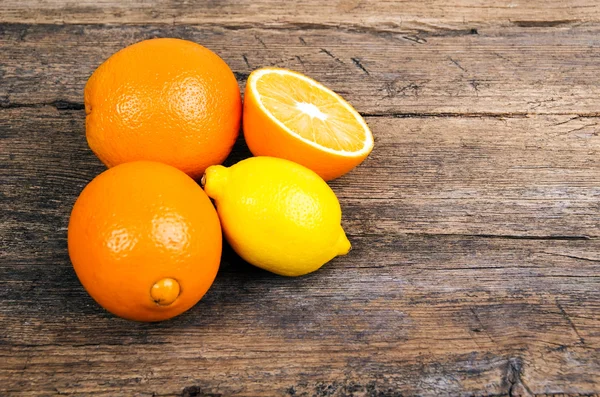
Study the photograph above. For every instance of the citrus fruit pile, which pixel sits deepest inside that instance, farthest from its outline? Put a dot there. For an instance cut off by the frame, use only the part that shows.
(144, 237)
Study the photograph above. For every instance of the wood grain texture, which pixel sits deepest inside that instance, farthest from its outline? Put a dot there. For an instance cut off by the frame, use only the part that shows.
(387, 15)
(500, 71)
(475, 223)
(475, 271)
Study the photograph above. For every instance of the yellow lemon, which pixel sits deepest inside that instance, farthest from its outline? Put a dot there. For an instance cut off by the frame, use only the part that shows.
(277, 215)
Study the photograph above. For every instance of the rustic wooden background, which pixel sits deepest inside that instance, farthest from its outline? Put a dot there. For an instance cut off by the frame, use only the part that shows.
(475, 222)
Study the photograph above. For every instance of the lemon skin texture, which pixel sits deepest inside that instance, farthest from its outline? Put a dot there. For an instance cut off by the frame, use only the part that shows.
(277, 215)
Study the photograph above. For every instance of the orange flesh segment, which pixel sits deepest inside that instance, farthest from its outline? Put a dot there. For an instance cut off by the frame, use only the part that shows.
(311, 112)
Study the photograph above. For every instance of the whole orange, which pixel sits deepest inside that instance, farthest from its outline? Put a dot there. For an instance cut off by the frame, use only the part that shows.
(166, 100)
(145, 241)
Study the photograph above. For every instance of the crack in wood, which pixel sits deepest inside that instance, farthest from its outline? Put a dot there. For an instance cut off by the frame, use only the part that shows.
(582, 127)
(328, 53)
(71, 105)
(260, 41)
(475, 84)
(246, 61)
(67, 105)
(481, 326)
(476, 114)
(79, 345)
(582, 258)
(566, 317)
(457, 64)
(504, 58)
(510, 236)
(545, 24)
(411, 34)
(359, 65)
(567, 121)
(58, 104)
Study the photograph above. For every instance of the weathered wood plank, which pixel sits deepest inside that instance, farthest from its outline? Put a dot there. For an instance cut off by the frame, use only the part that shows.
(440, 315)
(536, 176)
(387, 15)
(475, 272)
(499, 71)
(524, 177)
(475, 222)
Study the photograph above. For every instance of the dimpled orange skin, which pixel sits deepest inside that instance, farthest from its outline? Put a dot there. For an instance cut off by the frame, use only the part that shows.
(166, 100)
(145, 241)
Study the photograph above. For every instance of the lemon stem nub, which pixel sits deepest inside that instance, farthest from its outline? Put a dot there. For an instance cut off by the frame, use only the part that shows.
(165, 291)
(214, 180)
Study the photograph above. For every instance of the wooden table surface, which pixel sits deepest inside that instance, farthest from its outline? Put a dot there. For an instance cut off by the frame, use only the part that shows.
(475, 221)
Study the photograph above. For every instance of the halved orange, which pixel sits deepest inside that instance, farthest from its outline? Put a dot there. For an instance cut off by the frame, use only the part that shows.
(292, 116)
